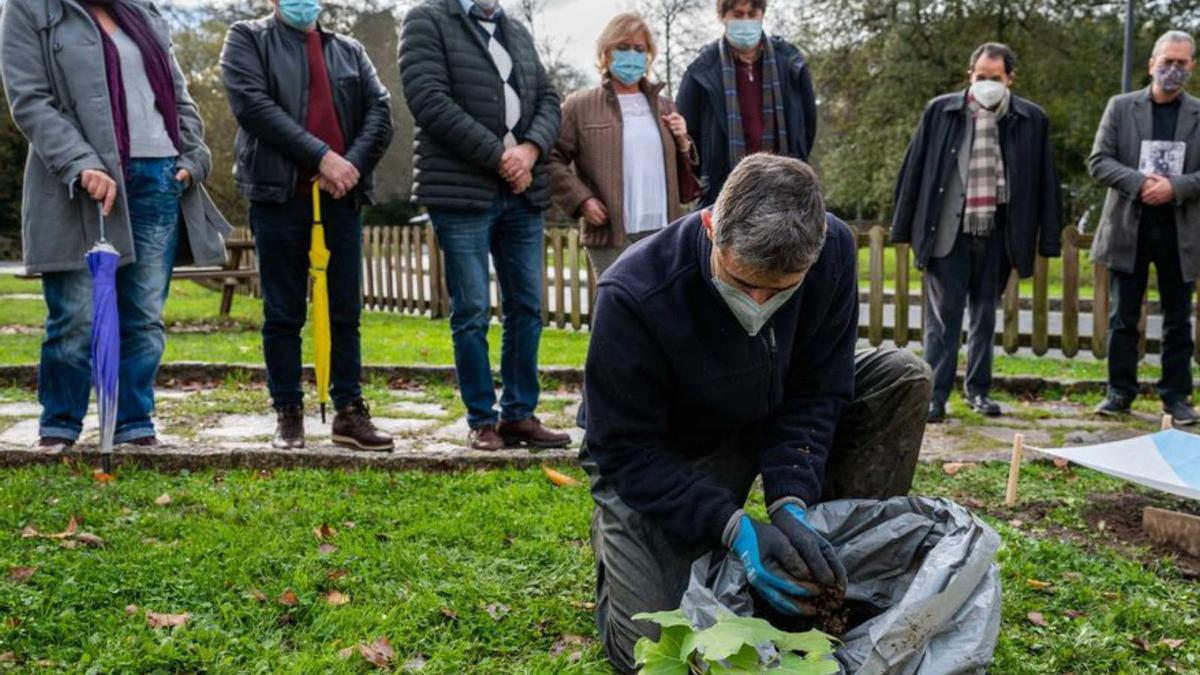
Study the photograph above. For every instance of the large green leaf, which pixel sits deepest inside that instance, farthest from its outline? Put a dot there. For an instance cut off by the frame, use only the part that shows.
(731, 633)
(664, 657)
(794, 664)
(810, 642)
(665, 619)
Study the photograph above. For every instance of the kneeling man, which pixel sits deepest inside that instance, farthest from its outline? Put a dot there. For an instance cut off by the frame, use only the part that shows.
(724, 348)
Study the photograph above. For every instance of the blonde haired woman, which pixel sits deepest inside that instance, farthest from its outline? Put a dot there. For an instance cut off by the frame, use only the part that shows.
(623, 161)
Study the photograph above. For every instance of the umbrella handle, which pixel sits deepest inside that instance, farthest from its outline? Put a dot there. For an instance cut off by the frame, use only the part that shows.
(100, 212)
(316, 199)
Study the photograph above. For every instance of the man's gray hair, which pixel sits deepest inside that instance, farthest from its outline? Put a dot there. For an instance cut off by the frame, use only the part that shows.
(771, 215)
(1173, 36)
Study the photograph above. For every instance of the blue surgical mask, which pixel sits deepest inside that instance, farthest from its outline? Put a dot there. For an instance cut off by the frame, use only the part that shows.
(300, 14)
(628, 66)
(745, 34)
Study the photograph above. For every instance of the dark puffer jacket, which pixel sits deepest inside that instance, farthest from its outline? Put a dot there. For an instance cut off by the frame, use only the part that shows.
(457, 99)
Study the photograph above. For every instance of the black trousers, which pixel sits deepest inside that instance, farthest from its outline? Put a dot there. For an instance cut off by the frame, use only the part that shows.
(641, 567)
(971, 278)
(1159, 244)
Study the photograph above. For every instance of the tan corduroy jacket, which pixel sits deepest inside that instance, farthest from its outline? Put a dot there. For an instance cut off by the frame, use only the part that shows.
(587, 159)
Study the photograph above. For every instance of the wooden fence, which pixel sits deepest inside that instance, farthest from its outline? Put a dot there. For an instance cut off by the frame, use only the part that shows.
(403, 272)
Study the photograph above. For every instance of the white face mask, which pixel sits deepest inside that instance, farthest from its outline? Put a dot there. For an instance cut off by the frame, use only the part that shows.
(749, 313)
(989, 93)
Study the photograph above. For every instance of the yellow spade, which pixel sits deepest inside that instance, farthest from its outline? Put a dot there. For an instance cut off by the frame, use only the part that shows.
(318, 267)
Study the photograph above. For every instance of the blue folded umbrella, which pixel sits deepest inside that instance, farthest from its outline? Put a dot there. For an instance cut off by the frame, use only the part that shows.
(103, 260)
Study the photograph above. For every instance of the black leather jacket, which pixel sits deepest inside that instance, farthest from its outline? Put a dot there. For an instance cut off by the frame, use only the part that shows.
(264, 66)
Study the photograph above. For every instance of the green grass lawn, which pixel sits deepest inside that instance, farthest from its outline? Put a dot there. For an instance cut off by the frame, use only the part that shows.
(387, 339)
(422, 558)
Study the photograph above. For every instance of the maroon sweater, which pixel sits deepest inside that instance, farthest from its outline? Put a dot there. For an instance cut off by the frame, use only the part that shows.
(750, 101)
(322, 118)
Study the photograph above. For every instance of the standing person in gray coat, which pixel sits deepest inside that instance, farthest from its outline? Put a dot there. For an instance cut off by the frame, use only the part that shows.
(978, 196)
(1147, 153)
(487, 118)
(96, 89)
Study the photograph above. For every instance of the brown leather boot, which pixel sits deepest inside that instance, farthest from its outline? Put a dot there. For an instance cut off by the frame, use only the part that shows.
(289, 428)
(485, 438)
(531, 433)
(352, 428)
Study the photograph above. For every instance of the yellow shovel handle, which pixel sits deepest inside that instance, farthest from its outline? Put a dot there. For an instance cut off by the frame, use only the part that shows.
(316, 203)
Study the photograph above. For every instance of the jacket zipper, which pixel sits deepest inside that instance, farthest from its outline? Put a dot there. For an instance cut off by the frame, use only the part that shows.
(772, 350)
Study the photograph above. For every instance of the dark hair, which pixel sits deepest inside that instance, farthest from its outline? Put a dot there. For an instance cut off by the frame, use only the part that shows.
(771, 214)
(724, 6)
(995, 50)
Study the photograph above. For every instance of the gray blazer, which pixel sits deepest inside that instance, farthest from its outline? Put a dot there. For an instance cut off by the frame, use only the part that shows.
(53, 66)
(1128, 121)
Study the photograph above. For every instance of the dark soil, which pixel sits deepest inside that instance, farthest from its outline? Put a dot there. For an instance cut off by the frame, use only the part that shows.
(1118, 517)
(835, 616)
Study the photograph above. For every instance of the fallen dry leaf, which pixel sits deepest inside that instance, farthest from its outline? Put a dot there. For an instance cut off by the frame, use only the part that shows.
(1074, 614)
(288, 598)
(164, 500)
(131, 609)
(1140, 643)
(337, 598)
(1171, 643)
(19, 575)
(8, 657)
(558, 478)
(450, 614)
(324, 532)
(72, 527)
(347, 652)
(257, 595)
(497, 610)
(13, 622)
(379, 653)
(349, 524)
(1072, 576)
(567, 642)
(1037, 619)
(156, 620)
(30, 532)
(952, 468)
(1037, 585)
(326, 549)
(101, 477)
(334, 575)
(579, 604)
(89, 539)
(1061, 463)
(1017, 523)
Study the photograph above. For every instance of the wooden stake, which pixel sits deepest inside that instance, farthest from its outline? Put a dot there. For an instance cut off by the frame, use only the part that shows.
(1168, 423)
(1014, 470)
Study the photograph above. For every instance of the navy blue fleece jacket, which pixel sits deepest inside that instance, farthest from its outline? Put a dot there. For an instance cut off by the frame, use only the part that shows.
(671, 374)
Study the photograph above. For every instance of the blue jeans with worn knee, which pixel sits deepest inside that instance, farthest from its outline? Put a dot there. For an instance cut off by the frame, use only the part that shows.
(65, 373)
(512, 231)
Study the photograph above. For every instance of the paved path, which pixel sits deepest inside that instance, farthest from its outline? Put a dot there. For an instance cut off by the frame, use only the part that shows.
(230, 427)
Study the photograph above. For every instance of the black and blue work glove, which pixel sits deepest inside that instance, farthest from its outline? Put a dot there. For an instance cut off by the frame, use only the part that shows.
(772, 565)
(822, 562)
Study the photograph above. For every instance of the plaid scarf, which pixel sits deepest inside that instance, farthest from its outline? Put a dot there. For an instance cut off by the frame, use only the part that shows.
(986, 184)
(774, 127)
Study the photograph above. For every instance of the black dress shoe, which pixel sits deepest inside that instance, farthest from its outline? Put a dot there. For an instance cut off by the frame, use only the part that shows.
(984, 406)
(937, 413)
(1181, 413)
(1113, 405)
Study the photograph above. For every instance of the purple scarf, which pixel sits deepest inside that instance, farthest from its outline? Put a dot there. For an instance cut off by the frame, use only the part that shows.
(158, 72)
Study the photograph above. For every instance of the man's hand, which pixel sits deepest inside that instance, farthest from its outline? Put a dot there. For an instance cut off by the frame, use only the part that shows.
(339, 174)
(818, 555)
(773, 567)
(184, 178)
(329, 187)
(99, 186)
(594, 212)
(517, 159)
(1157, 190)
(678, 126)
(522, 183)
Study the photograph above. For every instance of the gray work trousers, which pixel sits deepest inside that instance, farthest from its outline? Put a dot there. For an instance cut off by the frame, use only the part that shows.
(642, 568)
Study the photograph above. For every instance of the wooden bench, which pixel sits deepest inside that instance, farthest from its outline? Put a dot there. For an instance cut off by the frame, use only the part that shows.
(231, 275)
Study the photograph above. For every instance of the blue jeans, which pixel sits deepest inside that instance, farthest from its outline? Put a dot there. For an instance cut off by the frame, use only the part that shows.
(65, 375)
(282, 236)
(512, 231)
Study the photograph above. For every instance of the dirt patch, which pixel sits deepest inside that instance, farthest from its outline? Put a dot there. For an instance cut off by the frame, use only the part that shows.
(1118, 517)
